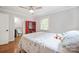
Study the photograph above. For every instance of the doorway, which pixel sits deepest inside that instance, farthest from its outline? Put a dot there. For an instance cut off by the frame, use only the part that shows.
(18, 28)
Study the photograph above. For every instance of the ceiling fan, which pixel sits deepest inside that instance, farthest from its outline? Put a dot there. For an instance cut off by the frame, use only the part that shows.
(31, 8)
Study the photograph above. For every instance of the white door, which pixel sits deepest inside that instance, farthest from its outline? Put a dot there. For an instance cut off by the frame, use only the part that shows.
(4, 28)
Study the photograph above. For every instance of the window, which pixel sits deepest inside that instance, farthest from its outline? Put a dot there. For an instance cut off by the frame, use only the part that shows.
(44, 24)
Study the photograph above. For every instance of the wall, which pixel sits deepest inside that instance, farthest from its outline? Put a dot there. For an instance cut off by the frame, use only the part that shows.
(77, 18)
(61, 21)
(11, 27)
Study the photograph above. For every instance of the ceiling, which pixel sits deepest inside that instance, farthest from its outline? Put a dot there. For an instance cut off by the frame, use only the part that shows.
(38, 12)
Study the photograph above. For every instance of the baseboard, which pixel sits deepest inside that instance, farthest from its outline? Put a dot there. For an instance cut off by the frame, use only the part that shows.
(2, 43)
(6, 42)
(11, 39)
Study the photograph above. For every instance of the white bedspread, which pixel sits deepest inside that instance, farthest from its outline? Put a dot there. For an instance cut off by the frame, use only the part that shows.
(45, 39)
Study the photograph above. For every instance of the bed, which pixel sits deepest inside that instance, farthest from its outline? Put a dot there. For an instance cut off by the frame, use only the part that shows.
(39, 42)
(44, 42)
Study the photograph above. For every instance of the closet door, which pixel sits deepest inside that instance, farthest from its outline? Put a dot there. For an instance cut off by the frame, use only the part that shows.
(4, 28)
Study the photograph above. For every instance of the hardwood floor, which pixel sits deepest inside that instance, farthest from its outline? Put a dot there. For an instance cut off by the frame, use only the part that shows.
(10, 47)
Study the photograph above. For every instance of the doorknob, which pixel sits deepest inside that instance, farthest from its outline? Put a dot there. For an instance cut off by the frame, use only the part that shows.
(6, 30)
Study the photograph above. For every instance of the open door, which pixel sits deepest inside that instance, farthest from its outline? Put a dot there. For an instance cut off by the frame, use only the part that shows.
(4, 28)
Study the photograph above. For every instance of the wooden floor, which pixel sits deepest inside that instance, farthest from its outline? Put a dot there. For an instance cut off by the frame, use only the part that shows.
(10, 47)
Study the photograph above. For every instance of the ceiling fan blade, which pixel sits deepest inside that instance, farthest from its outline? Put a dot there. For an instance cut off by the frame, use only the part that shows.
(38, 7)
(30, 7)
(23, 7)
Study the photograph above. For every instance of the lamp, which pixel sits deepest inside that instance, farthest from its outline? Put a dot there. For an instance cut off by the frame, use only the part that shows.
(31, 11)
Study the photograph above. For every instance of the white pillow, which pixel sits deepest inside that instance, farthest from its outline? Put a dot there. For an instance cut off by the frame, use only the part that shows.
(71, 37)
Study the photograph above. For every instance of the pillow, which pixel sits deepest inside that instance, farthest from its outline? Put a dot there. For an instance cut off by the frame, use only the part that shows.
(70, 37)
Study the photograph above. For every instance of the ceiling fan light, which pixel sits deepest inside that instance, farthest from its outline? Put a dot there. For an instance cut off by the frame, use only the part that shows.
(31, 11)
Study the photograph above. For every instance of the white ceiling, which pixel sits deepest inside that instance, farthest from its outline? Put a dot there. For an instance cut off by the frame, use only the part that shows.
(43, 11)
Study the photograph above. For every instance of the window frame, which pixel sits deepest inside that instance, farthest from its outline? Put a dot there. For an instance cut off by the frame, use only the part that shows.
(47, 25)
